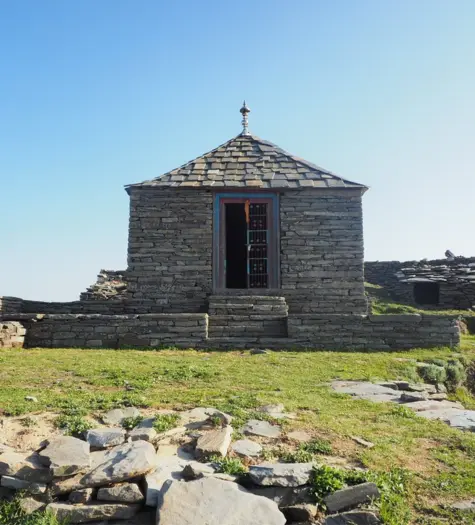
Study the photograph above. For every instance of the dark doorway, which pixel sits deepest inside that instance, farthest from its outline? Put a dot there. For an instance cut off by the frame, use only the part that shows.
(236, 246)
(426, 293)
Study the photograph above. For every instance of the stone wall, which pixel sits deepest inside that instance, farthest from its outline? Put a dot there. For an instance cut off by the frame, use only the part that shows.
(115, 331)
(12, 334)
(456, 280)
(170, 248)
(322, 251)
(373, 332)
(10, 305)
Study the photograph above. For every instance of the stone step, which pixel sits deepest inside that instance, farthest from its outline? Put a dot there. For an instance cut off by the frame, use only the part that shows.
(242, 305)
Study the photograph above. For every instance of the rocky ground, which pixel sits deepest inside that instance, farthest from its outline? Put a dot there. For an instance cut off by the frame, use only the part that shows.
(200, 470)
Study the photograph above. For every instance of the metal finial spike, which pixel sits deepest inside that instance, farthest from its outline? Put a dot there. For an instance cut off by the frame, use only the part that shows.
(245, 111)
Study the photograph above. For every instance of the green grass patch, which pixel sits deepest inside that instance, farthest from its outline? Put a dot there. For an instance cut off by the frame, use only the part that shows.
(164, 422)
(232, 466)
(12, 514)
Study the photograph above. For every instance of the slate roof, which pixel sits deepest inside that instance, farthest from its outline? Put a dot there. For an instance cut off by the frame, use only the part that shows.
(247, 161)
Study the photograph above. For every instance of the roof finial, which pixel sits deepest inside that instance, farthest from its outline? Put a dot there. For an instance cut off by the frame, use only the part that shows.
(244, 111)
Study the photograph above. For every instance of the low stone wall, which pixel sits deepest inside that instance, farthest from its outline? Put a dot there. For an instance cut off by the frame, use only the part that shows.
(373, 332)
(10, 305)
(12, 334)
(115, 331)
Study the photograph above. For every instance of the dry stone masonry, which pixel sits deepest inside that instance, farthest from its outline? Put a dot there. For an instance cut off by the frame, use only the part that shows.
(246, 246)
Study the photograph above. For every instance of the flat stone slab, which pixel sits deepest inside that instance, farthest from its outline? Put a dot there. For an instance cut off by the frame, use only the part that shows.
(92, 512)
(117, 415)
(105, 437)
(464, 506)
(281, 474)
(143, 433)
(167, 470)
(350, 497)
(122, 463)
(31, 487)
(30, 505)
(81, 496)
(255, 427)
(285, 496)
(201, 416)
(246, 448)
(22, 466)
(212, 501)
(66, 456)
(366, 390)
(215, 442)
(461, 419)
(419, 406)
(123, 492)
(411, 397)
(355, 517)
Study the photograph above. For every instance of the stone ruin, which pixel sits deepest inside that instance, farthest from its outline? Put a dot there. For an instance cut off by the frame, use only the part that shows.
(437, 284)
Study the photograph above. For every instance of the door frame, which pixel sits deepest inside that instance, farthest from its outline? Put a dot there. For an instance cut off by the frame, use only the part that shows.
(219, 240)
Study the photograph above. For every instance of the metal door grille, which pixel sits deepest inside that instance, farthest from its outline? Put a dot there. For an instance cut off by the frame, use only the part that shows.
(257, 244)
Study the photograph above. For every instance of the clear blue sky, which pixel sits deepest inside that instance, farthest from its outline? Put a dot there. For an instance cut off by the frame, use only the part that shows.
(98, 94)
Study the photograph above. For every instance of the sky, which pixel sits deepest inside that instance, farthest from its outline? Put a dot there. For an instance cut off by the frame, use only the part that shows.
(96, 95)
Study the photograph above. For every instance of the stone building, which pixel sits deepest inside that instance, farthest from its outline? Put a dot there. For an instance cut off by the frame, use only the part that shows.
(245, 246)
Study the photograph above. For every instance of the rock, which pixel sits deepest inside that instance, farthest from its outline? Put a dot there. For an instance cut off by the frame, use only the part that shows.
(227, 477)
(272, 409)
(215, 442)
(92, 512)
(462, 419)
(123, 492)
(24, 467)
(167, 470)
(144, 434)
(438, 397)
(350, 497)
(105, 437)
(66, 456)
(441, 388)
(355, 517)
(122, 463)
(464, 506)
(116, 416)
(6, 494)
(30, 505)
(281, 474)
(419, 406)
(303, 512)
(366, 390)
(410, 397)
(416, 387)
(362, 442)
(284, 496)
(246, 448)
(258, 351)
(197, 470)
(172, 433)
(146, 517)
(211, 501)
(33, 399)
(199, 417)
(388, 384)
(81, 496)
(20, 484)
(5, 448)
(300, 436)
(401, 385)
(255, 427)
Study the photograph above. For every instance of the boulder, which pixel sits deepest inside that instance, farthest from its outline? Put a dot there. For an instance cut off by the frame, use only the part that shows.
(24, 467)
(123, 492)
(350, 497)
(215, 442)
(30, 505)
(167, 470)
(105, 437)
(81, 496)
(281, 474)
(200, 416)
(116, 416)
(196, 470)
(143, 433)
(211, 501)
(66, 456)
(410, 397)
(285, 496)
(255, 427)
(355, 517)
(20, 484)
(246, 448)
(121, 463)
(92, 512)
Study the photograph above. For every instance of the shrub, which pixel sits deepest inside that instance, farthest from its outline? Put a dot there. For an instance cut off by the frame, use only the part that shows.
(433, 373)
(470, 381)
(455, 375)
(324, 481)
(317, 446)
(164, 422)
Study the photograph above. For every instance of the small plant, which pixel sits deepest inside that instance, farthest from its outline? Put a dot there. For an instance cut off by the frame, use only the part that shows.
(12, 514)
(164, 422)
(433, 373)
(28, 422)
(232, 466)
(129, 423)
(402, 411)
(297, 456)
(216, 421)
(317, 446)
(325, 480)
(73, 425)
(393, 506)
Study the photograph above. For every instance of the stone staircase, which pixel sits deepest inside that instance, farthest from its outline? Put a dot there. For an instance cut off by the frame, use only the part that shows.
(247, 316)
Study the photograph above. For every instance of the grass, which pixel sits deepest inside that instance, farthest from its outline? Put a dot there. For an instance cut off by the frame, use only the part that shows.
(12, 514)
(440, 460)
